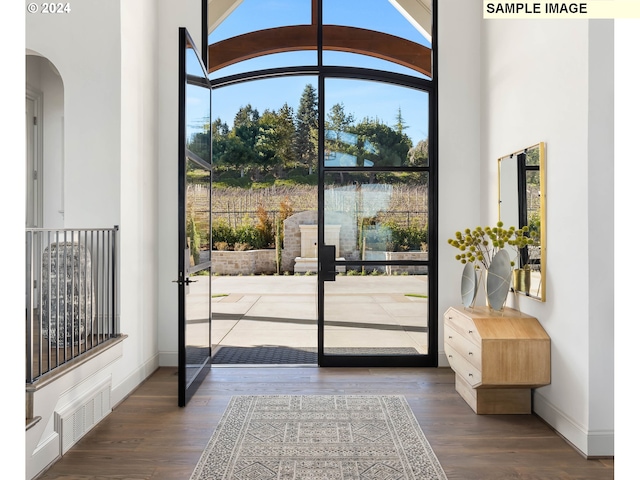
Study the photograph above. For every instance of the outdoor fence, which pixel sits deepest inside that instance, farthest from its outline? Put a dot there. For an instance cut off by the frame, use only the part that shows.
(402, 218)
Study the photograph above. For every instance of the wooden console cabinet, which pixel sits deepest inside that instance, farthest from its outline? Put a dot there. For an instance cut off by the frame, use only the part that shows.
(498, 357)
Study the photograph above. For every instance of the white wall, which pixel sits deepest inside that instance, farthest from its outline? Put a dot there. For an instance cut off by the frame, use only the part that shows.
(84, 45)
(107, 57)
(138, 189)
(601, 237)
(462, 175)
(45, 79)
(171, 16)
(551, 81)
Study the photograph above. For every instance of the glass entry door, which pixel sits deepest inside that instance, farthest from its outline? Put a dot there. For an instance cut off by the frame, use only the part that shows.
(374, 215)
(194, 222)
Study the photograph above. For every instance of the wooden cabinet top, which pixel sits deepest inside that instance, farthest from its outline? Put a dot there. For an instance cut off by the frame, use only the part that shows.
(508, 324)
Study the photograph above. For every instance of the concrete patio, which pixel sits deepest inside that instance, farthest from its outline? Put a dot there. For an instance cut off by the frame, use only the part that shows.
(361, 312)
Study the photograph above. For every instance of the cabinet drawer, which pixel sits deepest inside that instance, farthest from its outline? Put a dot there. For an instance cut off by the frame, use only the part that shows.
(462, 367)
(464, 325)
(462, 344)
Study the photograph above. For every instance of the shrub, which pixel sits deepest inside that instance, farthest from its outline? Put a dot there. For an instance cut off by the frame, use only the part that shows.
(411, 237)
(222, 232)
(245, 236)
(265, 226)
(221, 246)
(247, 233)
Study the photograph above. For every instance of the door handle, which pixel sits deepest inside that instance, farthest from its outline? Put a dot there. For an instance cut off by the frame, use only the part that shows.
(186, 281)
(327, 263)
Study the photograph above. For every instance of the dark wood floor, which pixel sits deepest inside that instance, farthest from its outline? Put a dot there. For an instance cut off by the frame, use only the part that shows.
(148, 437)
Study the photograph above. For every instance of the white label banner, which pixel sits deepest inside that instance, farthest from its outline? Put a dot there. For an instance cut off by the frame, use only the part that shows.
(588, 9)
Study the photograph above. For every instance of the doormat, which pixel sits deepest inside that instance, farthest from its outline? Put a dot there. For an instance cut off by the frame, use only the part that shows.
(272, 355)
(318, 437)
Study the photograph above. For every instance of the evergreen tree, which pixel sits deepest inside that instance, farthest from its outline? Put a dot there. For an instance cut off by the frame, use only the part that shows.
(245, 132)
(286, 133)
(338, 120)
(219, 134)
(401, 125)
(306, 128)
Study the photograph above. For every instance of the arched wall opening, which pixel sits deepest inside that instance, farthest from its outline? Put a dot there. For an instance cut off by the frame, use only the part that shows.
(44, 172)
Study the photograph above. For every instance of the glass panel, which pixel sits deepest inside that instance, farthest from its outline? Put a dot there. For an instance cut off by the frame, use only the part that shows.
(375, 124)
(198, 121)
(382, 16)
(356, 60)
(379, 213)
(264, 191)
(265, 131)
(406, 20)
(197, 324)
(197, 214)
(194, 292)
(252, 15)
(377, 309)
(277, 60)
(376, 314)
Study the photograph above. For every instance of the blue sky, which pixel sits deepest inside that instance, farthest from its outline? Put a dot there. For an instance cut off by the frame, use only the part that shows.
(362, 99)
(378, 15)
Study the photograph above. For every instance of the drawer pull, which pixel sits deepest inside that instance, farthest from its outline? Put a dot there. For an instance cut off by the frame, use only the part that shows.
(450, 356)
(471, 374)
(450, 318)
(470, 331)
(470, 353)
(450, 336)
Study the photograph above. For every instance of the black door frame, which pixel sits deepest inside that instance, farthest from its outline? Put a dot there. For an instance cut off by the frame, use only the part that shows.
(431, 87)
(188, 383)
(431, 358)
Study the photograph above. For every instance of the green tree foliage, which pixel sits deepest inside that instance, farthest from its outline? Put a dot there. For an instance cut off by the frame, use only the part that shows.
(219, 134)
(306, 128)
(401, 125)
(276, 135)
(338, 120)
(280, 146)
(239, 146)
(238, 153)
(390, 146)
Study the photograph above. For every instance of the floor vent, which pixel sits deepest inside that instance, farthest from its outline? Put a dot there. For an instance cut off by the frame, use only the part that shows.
(75, 420)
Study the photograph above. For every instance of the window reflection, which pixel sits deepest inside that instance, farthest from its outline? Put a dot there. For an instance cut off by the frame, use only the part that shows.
(371, 124)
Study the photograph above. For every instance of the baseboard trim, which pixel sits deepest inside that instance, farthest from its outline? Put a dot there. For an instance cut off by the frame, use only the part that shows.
(45, 455)
(168, 359)
(131, 382)
(442, 360)
(595, 444)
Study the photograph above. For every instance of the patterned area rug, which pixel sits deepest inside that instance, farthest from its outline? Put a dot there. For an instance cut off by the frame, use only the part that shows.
(318, 437)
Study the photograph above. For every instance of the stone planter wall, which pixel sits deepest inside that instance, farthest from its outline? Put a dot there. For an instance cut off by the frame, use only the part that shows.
(410, 269)
(246, 262)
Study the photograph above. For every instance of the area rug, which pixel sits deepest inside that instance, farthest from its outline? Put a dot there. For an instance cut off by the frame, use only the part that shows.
(318, 437)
